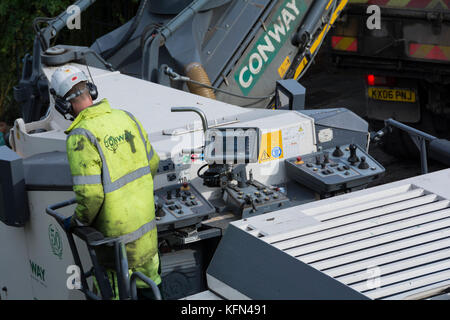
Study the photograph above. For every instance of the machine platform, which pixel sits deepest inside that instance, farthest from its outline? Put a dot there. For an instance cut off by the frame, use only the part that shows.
(386, 242)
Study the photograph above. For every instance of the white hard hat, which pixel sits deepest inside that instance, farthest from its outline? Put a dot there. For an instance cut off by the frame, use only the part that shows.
(64, 78)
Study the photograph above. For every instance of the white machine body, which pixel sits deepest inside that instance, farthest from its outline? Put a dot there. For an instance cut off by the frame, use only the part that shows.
(39, 255)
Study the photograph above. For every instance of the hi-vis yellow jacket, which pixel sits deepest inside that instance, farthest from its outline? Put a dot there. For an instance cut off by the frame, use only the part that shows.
(112, 165)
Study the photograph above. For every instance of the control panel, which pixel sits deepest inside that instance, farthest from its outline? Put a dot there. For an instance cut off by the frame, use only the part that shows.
(254, 198)
(171, 168)
(335, 169)
(180, 205)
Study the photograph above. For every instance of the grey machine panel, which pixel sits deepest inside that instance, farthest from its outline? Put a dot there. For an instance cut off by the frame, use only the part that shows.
(13, 198)
(386, 242)
(344, 126)
(48, 171)
(254, 199)
(337, 169)
(179, 206)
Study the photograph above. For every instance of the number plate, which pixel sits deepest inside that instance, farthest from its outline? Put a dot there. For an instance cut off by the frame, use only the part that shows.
(398, 95)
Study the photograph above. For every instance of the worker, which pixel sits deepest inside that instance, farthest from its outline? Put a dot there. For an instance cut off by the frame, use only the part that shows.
(112, 165)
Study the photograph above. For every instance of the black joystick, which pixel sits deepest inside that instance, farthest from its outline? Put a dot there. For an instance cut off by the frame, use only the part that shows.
(159, 211)
(177, 193)
(363, 164)
(326, 157)
(338, 152)
(353, 157)
(169, 195)
(317, 159)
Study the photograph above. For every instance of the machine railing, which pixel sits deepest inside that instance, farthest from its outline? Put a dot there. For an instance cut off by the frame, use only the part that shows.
(93, 238)
(439, 149)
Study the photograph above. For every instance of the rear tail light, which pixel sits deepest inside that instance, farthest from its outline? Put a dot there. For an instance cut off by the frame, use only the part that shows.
(373, 80)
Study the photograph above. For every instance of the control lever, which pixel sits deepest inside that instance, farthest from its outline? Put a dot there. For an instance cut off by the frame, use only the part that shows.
(363, 164)
(240, 175)
(353, 157)
(158, 208)
(249, 200)
(338, 152)
(317, 160)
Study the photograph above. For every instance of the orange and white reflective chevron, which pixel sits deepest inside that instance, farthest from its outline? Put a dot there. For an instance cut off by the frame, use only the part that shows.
(429, 51)
(344, 43)
(419, 4)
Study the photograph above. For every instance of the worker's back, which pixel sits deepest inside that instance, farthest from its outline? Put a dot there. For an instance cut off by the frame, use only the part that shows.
(124, 153)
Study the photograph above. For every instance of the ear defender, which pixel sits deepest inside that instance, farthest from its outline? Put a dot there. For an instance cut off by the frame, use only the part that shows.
(92, 90)
(61, 105)
(64, 106)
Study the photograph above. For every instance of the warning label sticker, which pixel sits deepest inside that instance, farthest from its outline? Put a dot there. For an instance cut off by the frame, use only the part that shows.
(264, 157)
(271, 146)
(284, 67)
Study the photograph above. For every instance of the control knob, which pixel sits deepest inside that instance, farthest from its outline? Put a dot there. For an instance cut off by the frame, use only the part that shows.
(363, 164)
(353, 157)
(338, 152)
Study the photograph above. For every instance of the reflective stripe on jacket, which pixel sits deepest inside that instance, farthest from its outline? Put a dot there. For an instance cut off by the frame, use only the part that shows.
(112, 164)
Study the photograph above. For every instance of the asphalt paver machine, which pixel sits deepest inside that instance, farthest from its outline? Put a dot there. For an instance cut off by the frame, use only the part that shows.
(235, 184)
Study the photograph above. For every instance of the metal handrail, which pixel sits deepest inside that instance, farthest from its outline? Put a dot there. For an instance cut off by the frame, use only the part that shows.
(105, 288)
(198, 111)
(51, 210)
(148, 281)
(59, 218)
(419, 138)
(126, 288)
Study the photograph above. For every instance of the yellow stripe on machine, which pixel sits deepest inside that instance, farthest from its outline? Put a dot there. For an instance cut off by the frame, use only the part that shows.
(329, 4)
(284, 67)
(300, 68)
(271, 146)
(318, 40)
